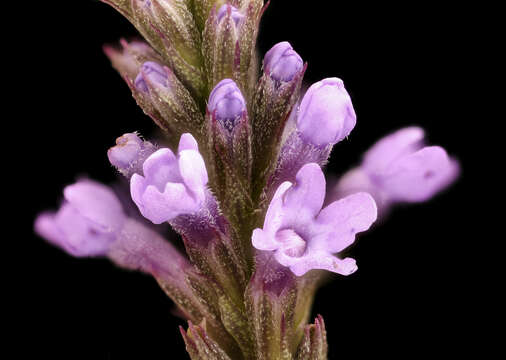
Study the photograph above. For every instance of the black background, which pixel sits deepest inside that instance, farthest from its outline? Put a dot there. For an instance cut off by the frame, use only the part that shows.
(402, 65)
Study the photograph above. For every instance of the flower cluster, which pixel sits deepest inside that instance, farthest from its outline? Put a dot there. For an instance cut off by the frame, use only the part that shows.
(239, 175)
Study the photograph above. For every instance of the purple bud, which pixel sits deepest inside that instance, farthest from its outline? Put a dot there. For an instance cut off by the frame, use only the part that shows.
(129, 154)
(226, 104)
(151, 72)
(126, 150)
(326, 114)
(282, 63)
(237, 16)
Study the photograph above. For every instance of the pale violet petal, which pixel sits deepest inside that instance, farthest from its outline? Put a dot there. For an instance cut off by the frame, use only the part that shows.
(392, 147)
(420, 175)
(305, 198)
(340, 221)
(193, 171)
(263, 241)
(187, 142)
(161, 207)
(324, 261)
(97, 203)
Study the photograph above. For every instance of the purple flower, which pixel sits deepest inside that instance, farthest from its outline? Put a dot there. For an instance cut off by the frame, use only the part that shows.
(226, 104)
(282, 63)
(88, 221)
(91, 222)
(304, 236)
(152, 73)
(172, 185)
(237, 16)
(129, 154)
(399, 168)
(326, 115)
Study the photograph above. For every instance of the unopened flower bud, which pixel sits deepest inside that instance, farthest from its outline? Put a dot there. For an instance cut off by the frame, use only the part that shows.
(326, 114)
(237, 16)
(152, 72)
(230, 135)
(129, 154)
(282, 63)
(226, 104)
(162, 96)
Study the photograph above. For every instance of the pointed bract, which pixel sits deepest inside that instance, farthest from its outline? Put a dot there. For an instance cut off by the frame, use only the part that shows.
(314, 344)
(200, 346)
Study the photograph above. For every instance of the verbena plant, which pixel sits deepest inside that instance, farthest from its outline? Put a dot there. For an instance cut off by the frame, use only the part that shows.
(239, 177)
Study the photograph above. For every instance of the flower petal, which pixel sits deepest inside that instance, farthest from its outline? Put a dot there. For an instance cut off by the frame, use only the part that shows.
(160, 165)
(419, 176)
(322, 261)
(340, 221)
(402, 142)
(193, 171)
(97, 203)
(187, 142)
(262, 241)
(274, 216)
(46, 227)
(305, 198)
(161, 207)
(73, 233)
(137, 187)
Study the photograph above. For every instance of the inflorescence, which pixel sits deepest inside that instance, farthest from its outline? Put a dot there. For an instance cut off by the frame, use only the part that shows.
(239, 176)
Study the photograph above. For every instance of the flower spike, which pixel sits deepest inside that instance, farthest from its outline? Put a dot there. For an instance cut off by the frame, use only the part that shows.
(245, 189)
